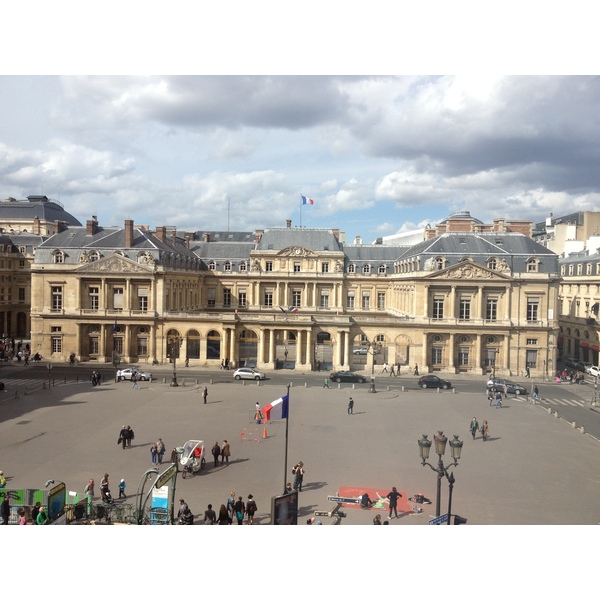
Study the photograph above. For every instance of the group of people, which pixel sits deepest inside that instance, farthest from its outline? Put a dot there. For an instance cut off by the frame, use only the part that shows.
(126, 435)
(157, 451)
(571, 376)
(223, 450)
(483, 429)
(233, 510)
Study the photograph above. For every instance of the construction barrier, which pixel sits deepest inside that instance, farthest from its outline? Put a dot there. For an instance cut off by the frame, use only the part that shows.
(249, 435)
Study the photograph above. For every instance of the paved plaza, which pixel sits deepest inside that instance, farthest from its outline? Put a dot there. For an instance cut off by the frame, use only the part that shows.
(534, 468)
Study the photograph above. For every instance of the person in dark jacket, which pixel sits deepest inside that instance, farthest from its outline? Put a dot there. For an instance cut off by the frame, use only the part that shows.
(393, 498)
(224, 518)
(216, 452)
(5, 510)
(240, 510)
(123, 436)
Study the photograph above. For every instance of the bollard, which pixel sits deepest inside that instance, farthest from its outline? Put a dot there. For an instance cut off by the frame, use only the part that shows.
(243, 382)
(211, 382)
(454, 390)
(353, 386)
(582, 429)
(402, 388)
(388, 388)
(438, 390)
(549, 410)
(164, 380)
(573, 425)
(258, 382)
(339, 386)
(305, 384)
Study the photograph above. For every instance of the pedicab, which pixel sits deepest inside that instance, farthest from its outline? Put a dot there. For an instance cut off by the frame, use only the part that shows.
(192, 458)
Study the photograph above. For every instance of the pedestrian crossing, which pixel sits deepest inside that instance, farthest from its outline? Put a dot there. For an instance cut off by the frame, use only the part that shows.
(562, 402)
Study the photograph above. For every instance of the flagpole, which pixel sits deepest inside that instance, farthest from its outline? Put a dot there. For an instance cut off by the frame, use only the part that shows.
(286, 443)
(300, 211)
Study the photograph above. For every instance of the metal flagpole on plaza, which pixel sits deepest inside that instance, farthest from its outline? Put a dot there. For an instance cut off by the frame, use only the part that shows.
(286, 442)
(301, 202)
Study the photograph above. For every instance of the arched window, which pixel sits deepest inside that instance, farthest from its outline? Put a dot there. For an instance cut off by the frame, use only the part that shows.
(351, 269)
(532, 265)
(381, 269)
(492, 264)
(439, 263)
(227, 267)
(212, 265)
(243, 267)
(366, 268)
(59, 257)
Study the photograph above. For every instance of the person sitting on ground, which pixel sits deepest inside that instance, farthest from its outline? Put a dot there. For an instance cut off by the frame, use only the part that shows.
(365, 501)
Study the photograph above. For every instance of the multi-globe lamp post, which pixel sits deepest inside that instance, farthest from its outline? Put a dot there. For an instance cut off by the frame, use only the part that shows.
(440, 441)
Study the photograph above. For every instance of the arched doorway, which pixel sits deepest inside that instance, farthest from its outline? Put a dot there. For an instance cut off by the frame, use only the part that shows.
(173, 344)
(22, 325)
(213, 345)
(323, 351)
(193, 344)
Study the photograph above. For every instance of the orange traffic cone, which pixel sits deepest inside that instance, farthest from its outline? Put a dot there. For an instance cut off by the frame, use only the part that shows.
(265, 436)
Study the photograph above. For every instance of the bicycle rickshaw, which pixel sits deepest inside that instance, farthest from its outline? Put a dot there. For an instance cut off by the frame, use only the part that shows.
(192, 458)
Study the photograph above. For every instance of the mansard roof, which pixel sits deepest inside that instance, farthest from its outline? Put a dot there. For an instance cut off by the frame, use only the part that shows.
(318, 240)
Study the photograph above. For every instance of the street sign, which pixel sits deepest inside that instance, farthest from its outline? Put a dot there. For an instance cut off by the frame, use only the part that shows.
(343, 500)
(321, 513)
(166, 476)
(439, 520)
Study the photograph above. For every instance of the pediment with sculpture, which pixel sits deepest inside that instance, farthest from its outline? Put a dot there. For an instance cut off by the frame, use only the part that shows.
(116, 264)
(472, 271)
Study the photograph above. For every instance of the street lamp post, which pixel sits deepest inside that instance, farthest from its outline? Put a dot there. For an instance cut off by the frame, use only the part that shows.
(49, 375)
(496, 351)
(174, 378)
(373, 348)
(442, 471)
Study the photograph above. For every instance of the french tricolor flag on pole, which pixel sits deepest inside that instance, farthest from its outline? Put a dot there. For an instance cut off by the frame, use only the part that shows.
(306, 200)
(278, 409)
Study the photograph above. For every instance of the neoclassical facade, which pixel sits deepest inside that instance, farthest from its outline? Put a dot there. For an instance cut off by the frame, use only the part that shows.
(297, 298)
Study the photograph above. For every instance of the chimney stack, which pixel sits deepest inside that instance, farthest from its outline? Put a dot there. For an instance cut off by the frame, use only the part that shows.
(188, 237)
(258, 234)
(128, 233)
(36, 225)
(206, 237)
(92, 226)
(161, 233)
(174, 237)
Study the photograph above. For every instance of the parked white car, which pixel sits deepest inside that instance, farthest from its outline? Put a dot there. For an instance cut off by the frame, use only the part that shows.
(126, 374)
(594, 371)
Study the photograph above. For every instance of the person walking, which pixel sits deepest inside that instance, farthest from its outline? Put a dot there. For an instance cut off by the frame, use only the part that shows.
(536, 393)
(326, 383)
(225, 452)
(298, 471)
(505, 391)
(35, 511)
(154, 454)
(88, 490)
(130, 435)
(392, 372)
(123, 436)
(393, 498)
(240, 510)
(160, 450)
(474, 427)
(231, 504)
(498, 399)
(384, 368)
(224, 518)
(122, 486)
(251, 508)
(216, 451)
(204, 394)
(350, 406)
(484, 430)
(134, 383)
(210, 516)
(182, 506)
(416, 369)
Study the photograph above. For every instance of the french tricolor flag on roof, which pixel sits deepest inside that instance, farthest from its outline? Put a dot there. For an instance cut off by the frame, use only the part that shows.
(306, 200)
(278, 409)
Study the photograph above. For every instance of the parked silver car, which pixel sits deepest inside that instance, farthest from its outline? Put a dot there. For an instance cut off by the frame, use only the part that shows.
(125, 374)
(246, 373)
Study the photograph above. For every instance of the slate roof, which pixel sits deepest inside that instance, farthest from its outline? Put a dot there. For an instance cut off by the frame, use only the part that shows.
(516, 248)
(20, 238)
(107, 240)
(35, 206)
(315, 239)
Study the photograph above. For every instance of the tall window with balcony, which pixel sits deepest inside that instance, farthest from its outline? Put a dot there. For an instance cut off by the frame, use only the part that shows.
(436, 356)
(118, 295)
(226, 297)
(464, 309)
(438, 307)
(324, 267)
(142, 299)
(533, 309)
(366, 300)
(324, 303)
(211, 296)
(94, 298)
(269, 266)
(268, 299)
(380, 300)
(350, 300)
(297, 298)
(491, 309)
(242, 298)
(57, 298)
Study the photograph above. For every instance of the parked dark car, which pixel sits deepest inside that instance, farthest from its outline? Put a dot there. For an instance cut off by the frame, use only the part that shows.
(433, 381)
(339, 376)
(511, 386)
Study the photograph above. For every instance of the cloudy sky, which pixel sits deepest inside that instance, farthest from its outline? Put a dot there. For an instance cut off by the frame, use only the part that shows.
(378, 154)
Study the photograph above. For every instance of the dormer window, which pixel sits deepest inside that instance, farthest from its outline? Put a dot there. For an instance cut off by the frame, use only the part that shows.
(227, 267)
(492, 264)
(351, 269)
(243, 267)
(381, 270)
(532, 265)
(212, 265)
(367, 269)
(59, 257)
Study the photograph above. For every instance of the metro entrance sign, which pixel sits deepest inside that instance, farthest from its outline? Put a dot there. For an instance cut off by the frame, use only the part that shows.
(439, 520)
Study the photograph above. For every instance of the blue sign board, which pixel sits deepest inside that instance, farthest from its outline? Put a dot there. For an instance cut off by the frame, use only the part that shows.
(439, 520)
